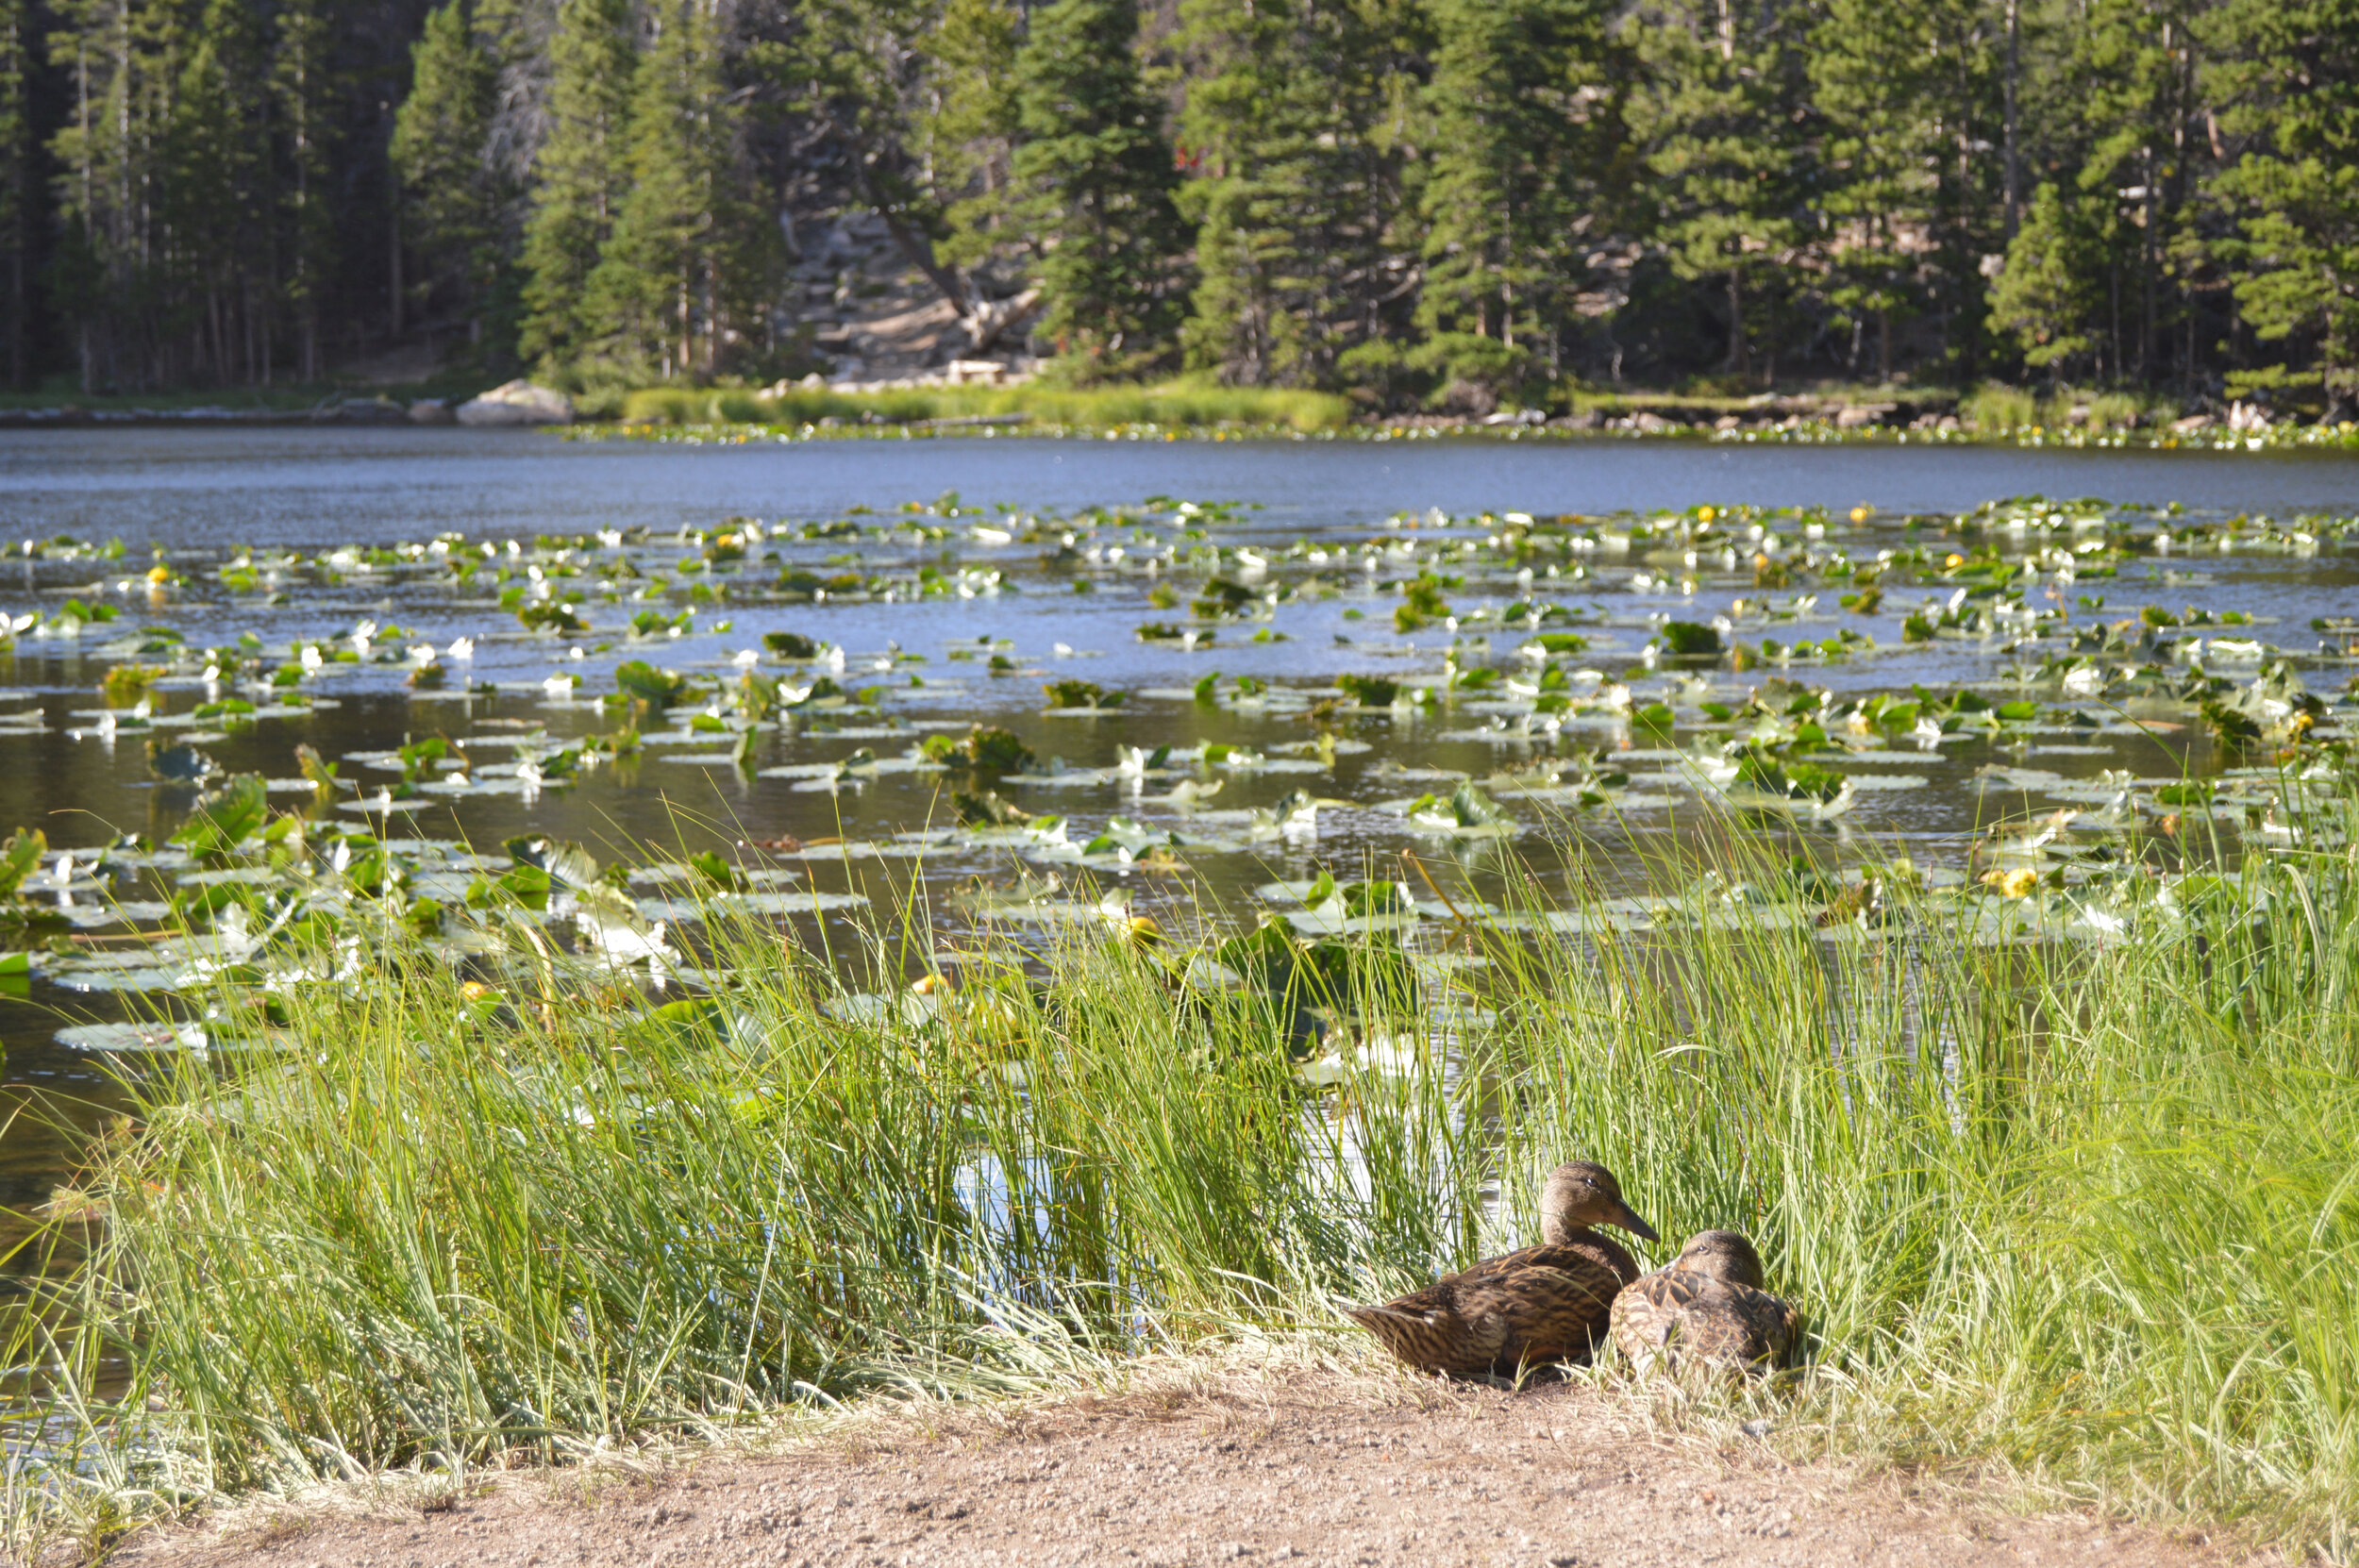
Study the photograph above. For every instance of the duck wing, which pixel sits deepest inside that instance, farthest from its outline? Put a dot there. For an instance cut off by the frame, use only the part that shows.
(1646, 1316)
(1549, 1303)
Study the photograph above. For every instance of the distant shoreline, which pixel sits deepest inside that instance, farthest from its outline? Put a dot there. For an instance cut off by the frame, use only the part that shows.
(1643, 422)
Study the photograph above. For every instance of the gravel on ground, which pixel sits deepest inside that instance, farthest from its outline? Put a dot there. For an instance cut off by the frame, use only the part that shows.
(1263, 1463)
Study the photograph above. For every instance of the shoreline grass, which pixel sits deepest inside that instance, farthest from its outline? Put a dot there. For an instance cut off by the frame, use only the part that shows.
(2083, 1212)
(1185, 403)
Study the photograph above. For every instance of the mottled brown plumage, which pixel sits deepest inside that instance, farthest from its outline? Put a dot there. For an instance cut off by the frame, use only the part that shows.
(1706, 1311)
(1549, 1303)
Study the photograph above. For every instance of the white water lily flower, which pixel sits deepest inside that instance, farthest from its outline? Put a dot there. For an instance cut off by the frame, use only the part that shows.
(313, 661)
(421, 654)
(746, 659)
(461, 647)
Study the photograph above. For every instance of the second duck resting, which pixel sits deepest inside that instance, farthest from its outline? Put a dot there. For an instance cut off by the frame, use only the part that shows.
(1706, 1311)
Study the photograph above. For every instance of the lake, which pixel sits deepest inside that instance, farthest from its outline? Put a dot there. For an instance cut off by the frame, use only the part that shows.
(2054, 646)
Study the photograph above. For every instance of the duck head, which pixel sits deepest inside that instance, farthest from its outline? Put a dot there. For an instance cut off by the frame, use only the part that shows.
(1723, 1255)
(1581, 1193)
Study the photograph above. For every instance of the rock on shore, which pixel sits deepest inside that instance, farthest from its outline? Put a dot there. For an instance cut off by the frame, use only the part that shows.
(518, 403)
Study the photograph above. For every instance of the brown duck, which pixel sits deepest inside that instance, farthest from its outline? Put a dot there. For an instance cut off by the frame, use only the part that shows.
(1706, 1309)
(1549, 1303)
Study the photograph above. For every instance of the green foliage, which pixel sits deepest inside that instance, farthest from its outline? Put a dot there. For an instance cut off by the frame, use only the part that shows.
(1722, 86)
(225, 818)
(2052, 287)
(1901, 83)
(659, 688)
(19, 856)
(971, 135)
(1290, 126)
(1458, 204)
(581, 173)
(985, 749)
(1094, 172)
(2105, 1244)
(694, 252)
(1080, 694)
(440, 151)
(1520, 131)
(1690, 640)
(2296, 193)
(1184, 402)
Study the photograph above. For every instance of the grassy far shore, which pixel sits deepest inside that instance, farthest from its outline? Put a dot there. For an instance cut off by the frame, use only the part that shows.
(1990, 412)
(2081, 1210)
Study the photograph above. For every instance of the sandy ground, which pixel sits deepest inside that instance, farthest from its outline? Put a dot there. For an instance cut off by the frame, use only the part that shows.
(1267, 1464)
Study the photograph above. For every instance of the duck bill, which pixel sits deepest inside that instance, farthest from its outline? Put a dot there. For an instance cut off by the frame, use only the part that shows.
(1632, 1222)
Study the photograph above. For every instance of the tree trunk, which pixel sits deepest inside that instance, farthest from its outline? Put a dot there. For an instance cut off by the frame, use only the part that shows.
(1738, 362)
(2015, 161)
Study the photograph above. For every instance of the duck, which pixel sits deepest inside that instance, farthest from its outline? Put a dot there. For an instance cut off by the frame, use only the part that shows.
(1706, 1308)
(1548, 1303)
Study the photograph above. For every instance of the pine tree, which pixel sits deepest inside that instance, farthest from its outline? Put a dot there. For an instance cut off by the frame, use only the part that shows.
(101, 154)
(693, 264)
(581, 174)
(2050, 294)
(2287, 73)
(18, 213)
(969, 136)
(440, 151)
(1724, 121)
(302, 92)
(214, 158)
(1912, 90)
(1292, 128)
(2129, 83)
(1524, 127)
(1096, 180)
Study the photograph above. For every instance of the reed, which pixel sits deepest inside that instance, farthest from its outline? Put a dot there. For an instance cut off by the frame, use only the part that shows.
(2084, 1212)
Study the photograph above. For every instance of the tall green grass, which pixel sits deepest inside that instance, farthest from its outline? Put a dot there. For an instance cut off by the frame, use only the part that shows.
(1180, 404)
(2088, 1212)
(1996, 408)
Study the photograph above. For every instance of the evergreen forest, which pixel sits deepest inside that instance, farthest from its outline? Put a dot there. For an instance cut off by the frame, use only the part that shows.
(1407, 201)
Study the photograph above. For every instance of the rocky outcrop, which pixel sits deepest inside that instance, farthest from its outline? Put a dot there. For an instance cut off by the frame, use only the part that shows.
(518, 403)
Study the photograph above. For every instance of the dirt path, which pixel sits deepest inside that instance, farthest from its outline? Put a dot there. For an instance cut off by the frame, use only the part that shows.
(1266, 1467)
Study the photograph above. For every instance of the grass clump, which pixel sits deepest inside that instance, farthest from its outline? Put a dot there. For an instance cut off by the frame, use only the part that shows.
(1182, 404)
(2080, 1208)
(1993, 408)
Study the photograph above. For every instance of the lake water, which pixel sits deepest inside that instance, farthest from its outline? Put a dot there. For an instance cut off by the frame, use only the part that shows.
(280, 549)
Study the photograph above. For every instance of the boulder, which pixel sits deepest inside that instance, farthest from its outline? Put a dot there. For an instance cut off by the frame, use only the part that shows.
(431, 411)
(518, 403)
